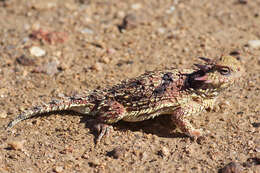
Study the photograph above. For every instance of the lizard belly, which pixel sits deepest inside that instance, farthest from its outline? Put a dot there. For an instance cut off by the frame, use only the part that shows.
(135, 116)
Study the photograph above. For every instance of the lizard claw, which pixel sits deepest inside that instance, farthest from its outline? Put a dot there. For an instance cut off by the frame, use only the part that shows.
(195, 133)
(103, 129)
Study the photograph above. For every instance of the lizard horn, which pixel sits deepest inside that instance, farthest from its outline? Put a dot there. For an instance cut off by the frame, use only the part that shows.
(202, 67)
(207, 60)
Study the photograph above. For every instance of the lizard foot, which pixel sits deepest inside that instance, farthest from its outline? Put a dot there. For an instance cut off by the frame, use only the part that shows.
(195, 133)
(103, 130)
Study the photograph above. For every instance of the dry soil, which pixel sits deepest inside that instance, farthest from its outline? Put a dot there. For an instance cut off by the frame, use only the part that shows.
(88, 44)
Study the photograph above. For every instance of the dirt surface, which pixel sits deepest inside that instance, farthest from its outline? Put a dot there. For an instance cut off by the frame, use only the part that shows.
(55, 48)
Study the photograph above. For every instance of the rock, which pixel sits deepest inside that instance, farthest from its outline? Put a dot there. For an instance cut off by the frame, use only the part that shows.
(51, 37)
(144, 156)
(164, 152)
(44, 5)
(170, 10)
(3, 114)
(161, 30)
(234, 53)
(242, 1)
(254, 44)
(116, 152)
(37, 51)
(129, 22)
(136, 6)
(252, 161)
(85, 156)
(97, 67)
(256, 125)
(111, 50)
(50, 68)
(87, 31)
(58, 169)
(95, 162)
(23, 60)
(16, 145)
(232, 167)
(105, 59)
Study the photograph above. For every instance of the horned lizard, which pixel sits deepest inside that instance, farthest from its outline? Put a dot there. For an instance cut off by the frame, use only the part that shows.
(180, 93)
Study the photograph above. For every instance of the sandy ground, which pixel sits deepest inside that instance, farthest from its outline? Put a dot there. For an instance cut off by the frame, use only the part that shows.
(88, 44)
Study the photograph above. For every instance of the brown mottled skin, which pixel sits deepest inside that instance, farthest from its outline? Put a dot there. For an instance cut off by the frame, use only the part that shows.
(180, 93)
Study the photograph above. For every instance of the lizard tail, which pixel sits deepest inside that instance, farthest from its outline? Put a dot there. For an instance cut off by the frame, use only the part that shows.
(51, 107)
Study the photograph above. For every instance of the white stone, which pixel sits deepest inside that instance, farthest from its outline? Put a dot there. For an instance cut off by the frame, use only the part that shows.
(136, 6)
(37, 51)
(3, 114)
(254, 43)
(87, 31)
(170, 10)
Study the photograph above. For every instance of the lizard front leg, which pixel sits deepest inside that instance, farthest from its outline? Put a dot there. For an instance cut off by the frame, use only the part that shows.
(179, 119)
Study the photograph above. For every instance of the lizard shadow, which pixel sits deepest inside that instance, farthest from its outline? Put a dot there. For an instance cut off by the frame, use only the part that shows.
(161, 126)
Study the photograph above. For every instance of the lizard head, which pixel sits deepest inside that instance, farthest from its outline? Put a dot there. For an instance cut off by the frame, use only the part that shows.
(219, 74)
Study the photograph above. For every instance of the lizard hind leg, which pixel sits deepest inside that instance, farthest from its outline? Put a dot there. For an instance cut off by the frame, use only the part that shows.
(108, 113)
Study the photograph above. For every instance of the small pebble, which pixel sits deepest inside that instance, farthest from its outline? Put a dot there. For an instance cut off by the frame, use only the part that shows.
(234, 53)
(116, 152)
(105, 59)
(144, 156)
(25, 39)
(161, 30)
(61, 95)
(36, 26)
(23, 60)
(97, 67)
(242, 1)
(87, 31)
(58, 169)
(85, 156)
(232, 167)
(252, 161)
(16, 145)
(136, 6)
(164, 152)
(3, 114)
(129, 22)
(37, 51)
(254, 43)
(52, 67)
(94, 162)
(49, 68)
(170, 10)
(120, 14)
(111, 51)
(43, 5)
(256, 125)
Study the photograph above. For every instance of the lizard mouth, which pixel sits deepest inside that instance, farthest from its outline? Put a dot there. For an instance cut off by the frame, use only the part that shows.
(197, 79)
(202, 72)
(200, 79)
(203, 78)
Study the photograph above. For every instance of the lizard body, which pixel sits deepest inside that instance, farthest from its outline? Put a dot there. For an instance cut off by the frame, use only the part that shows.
(180, 93)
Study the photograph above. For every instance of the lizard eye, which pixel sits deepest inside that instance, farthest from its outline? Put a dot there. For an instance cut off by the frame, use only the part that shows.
(224, 71)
